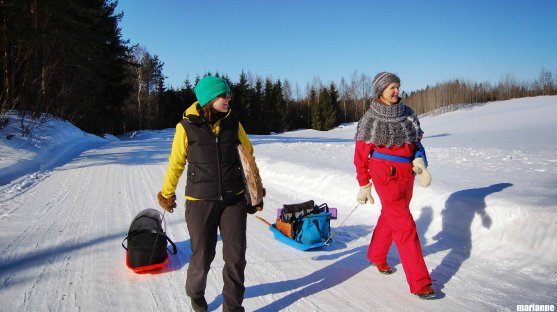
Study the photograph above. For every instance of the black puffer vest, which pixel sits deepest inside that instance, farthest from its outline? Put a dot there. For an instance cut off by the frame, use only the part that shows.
(214, 168)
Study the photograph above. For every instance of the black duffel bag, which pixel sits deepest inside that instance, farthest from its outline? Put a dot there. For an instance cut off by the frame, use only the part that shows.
(292, 212)
(147, 242)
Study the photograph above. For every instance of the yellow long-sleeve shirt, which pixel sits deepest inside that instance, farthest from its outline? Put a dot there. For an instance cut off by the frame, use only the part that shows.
(179, 152)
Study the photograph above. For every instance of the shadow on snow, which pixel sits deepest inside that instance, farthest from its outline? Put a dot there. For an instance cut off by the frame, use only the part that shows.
(351, 263)
(455, 236)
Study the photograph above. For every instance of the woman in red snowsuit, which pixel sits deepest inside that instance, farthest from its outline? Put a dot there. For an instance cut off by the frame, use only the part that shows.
(387, 140)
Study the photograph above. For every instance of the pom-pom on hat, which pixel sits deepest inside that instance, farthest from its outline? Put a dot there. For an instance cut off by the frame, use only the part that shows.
(210, 87)
(382, 81)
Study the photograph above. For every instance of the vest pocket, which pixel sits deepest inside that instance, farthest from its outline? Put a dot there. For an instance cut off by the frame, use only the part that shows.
(200, 175)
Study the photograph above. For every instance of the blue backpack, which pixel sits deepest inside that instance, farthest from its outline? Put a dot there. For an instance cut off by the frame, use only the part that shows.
(314, 228)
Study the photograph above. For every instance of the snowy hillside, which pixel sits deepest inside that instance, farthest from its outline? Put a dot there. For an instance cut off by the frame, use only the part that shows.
(487, 224)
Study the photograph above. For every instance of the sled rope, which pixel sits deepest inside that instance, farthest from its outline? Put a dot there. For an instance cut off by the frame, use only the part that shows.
(263, 220)
(351, 212)
(164, 220)
(157, 240)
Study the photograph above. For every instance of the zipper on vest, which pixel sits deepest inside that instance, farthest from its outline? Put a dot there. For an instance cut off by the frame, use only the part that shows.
(218, 168)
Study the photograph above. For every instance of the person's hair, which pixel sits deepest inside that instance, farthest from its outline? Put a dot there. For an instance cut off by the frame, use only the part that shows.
(209, 111)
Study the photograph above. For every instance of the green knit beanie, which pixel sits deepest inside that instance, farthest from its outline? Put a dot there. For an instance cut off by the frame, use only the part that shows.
(210, 87)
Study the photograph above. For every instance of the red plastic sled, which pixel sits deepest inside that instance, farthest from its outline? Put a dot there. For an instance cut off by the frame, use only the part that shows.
(143, 269)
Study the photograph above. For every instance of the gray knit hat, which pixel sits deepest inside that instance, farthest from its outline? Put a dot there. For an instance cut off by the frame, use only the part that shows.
(382, 81)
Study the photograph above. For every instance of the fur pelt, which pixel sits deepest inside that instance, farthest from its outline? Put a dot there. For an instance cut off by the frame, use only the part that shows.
(254, 185)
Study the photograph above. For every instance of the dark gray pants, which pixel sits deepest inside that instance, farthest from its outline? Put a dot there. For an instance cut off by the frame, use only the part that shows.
(203, 219)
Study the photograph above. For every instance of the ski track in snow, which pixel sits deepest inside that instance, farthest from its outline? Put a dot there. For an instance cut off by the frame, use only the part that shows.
(487, 226)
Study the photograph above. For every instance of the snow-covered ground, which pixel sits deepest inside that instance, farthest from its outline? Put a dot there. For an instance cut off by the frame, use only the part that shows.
(488, 223)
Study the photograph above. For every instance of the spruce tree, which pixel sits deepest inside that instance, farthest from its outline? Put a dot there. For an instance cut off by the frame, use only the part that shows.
(278, 122)
(241, 101)
(268, 108)
(258, 123)
(329, 108)
(315, 112)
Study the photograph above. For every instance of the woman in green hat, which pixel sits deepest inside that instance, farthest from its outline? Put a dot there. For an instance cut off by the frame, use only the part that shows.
(207, 139)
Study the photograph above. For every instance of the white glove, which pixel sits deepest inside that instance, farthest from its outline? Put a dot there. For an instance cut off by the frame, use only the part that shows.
(420, 169)
(364, 195)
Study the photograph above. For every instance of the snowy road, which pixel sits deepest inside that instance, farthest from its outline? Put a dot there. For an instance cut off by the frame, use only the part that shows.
(487, 231)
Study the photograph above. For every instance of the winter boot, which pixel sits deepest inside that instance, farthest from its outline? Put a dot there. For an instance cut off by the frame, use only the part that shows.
(383, 268)
(199, 304)
(425, 292)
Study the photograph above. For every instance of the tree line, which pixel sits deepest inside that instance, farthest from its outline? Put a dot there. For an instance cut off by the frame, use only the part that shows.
(459, 92)
(68, 59)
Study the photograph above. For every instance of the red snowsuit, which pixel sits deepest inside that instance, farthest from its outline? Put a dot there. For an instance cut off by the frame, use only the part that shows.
(394, 182)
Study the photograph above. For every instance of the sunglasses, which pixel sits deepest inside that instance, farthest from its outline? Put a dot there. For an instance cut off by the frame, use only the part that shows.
(226, 96)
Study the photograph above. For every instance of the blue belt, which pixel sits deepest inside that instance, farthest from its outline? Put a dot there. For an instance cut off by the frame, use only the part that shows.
(391, 157)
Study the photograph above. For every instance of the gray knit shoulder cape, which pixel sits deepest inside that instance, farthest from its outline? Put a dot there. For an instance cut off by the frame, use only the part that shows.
(388, 125)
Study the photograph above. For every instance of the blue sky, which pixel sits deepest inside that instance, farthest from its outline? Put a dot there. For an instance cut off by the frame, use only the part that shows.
(424, 42)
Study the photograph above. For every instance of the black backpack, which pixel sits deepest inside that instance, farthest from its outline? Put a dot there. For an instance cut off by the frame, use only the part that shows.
(147, 242)
(292, 212)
